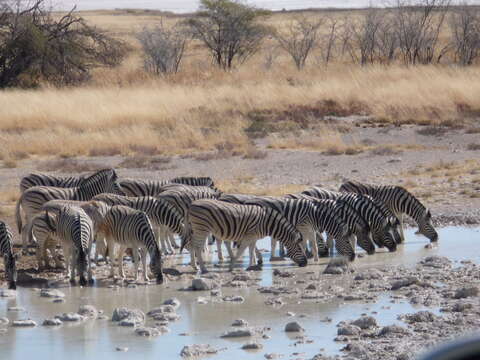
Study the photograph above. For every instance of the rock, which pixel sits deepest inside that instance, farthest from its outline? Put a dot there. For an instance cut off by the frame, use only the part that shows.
(466, 292)
(58, 300)
(274, 301)
(172, 302)
(365, 322)
(121, 349)
(393, 329)
(215, 292)
(202, 300)
(240, 322)
(234, 298)
(348, 330)
(16, 309)
(355, 349)
(52, 322)
(26, 279)
(461, 307)
(128, 316)
(88, 311)
(161, 310)
(4, 321)
(70, 317)
(51, 293)
(171, 271)
(293, 327)
(147, 331)
(166, 317)
(24, 323)
(311, 287)
(7, 293)
(436, 261)
(337, 266)
(271, 356)
(237, 333)
(202, 284)
(241, 277)
(289, 313)
(404, 282)
(283, 274)
(252, 346)
(197, 350)
(421, 316)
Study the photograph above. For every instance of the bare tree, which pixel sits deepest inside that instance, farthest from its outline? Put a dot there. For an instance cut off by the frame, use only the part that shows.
(34, 45)
(465, 28)
(387, 40)
(418, 26)
(300, 38)
(229, 30)
(163, 48)
(329, 40)
(364, 36)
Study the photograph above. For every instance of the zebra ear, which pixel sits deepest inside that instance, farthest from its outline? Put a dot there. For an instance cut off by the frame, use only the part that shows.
(428, 214)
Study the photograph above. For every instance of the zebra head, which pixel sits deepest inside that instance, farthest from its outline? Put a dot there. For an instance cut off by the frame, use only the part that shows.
(103, 181)
(426, 228)
(395, 229)
(10, 270)
(364, 240)
(295, 250)
(383, 237)
(156, 266)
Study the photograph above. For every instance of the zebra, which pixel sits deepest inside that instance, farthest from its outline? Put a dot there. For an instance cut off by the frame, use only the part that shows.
(40, 179)
(352, 219)
(32, 199)
(401, 202)
(9, 258)
(131, 228)
(95, 210)
(243, 224)
(380, 225)
(137, 187)
(73, 229)
(161, 213)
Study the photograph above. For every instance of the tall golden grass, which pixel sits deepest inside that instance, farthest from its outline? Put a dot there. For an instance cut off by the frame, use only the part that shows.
(124, 110)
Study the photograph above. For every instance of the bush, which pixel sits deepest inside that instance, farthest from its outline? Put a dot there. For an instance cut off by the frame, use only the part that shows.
(36, 46)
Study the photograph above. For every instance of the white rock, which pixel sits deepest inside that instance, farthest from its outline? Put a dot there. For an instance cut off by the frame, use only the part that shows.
(52, 293)
(52, 322)
(24, 323)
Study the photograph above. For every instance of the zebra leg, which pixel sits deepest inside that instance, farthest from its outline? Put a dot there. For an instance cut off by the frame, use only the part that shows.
(228, 245)
(402, 235)
(273, 244)
(330, 244)
(160, 233)
(111, 255)
(203, 268)
(168, 242)
(321, 245)
(243, 245)
(310, 236)
(251, 254)
(136, 261)
(259, 256)
(121, 251)
(41, 254)
(173, 243)
(143, 254)
(219, 249)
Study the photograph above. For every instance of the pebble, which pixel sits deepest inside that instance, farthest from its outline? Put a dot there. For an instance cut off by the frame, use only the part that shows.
(16, 309)
(70, 317)
(58, 300)
(89, 311)
(348, 330)
(365, 322)
(466, 292)
(147, 331)
(202, 284)
(128, 316)
(172, 302)
(51, 293)
(240, 322)
(234, 298)
(8, 293)
(202, 300)
(52, 322)
(237, 333)
(394, 329)
(4, 321)
(293, 327)
(24, 323)
(252, 346)
(121, 349)
(197, 350)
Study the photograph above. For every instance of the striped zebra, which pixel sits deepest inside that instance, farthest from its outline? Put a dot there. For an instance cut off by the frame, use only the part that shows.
(243, 224)
(400, 202)
(130, 228)
(352, 219)
(40, 179)
(95, 210)
(381, 227)
(139, 187)
(73, 229)
(9, 258)
(32, 199)
(163, 215)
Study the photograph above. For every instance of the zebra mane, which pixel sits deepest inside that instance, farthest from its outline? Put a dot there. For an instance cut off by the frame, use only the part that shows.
(280, 218)
(108, 173)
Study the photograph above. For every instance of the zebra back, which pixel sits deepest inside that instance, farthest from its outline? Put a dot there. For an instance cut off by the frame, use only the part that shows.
(39, 179)
(194, 181)
(236, 198)
(182, 199)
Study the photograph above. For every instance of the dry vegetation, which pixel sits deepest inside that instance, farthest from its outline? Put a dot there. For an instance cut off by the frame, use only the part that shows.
(210, 112)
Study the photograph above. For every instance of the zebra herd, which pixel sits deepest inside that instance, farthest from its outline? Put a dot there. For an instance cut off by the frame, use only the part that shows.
(118, 214)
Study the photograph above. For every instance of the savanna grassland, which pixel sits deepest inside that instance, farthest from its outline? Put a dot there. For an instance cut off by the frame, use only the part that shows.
(334, 120)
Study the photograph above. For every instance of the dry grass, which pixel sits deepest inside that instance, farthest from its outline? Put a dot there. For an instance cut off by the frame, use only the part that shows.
(473, 146)
(67, 165)
(142, 161)
(126, 111)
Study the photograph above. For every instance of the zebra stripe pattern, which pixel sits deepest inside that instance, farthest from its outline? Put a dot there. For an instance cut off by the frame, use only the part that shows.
(32, 200)
(380, 225)
(131, 228)
(6, 250)
(137, 187)
(400, 202)
(243, 224)
(73, 228)
(160, 212)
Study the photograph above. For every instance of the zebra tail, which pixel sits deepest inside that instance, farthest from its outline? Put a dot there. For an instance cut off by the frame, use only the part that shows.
(82, 260)
(18, 216)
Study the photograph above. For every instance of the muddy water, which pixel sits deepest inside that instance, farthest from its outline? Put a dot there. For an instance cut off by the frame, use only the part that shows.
(205, 323)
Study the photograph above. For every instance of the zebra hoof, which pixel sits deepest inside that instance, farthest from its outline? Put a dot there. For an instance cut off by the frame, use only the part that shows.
(323, 254)
(260, 262)
(91, 281)
(83, 281)
(159, 280)
(12, 285)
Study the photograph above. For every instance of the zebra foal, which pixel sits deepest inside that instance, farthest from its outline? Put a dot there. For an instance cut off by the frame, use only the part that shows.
(244, 224)
(9, 258)
(130, 228)
(401, 202)
(73, 229)
(32, 199)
